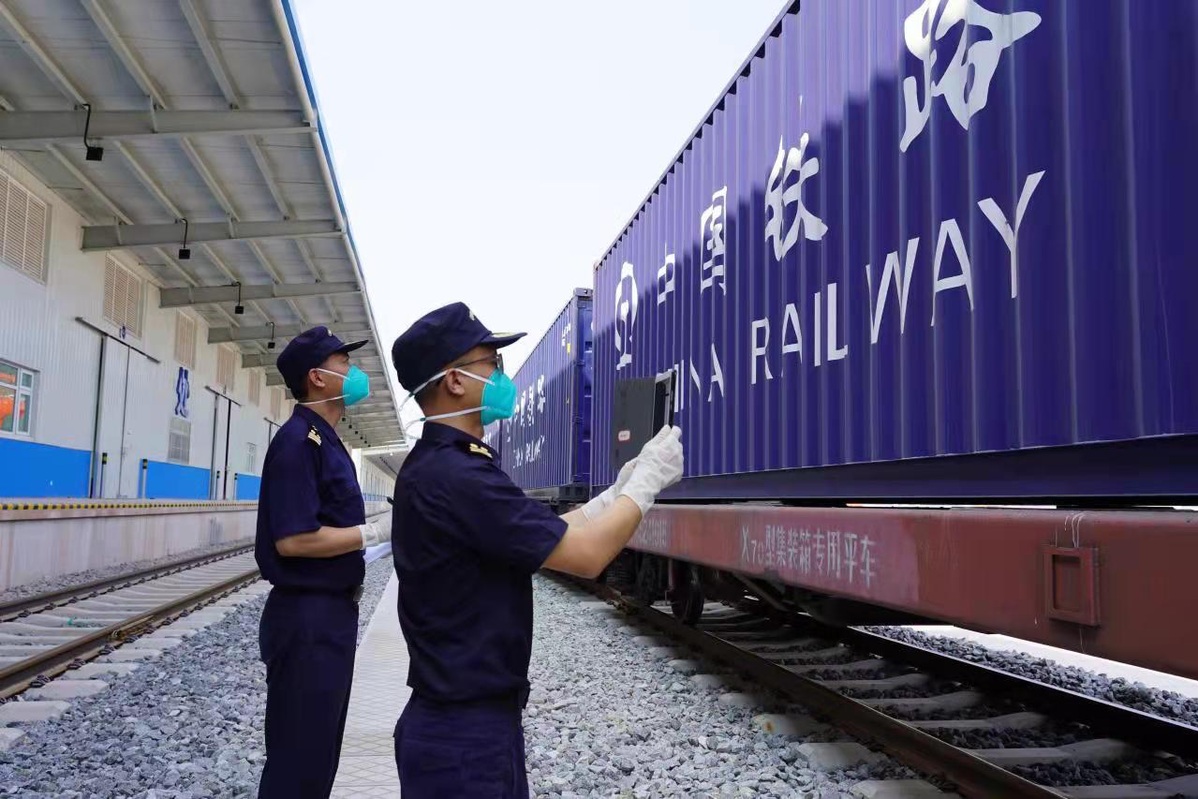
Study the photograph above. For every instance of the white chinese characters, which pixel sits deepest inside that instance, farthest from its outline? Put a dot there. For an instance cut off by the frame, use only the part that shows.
(963, 77)
(711, 234)
(626, 305)
(781, 197)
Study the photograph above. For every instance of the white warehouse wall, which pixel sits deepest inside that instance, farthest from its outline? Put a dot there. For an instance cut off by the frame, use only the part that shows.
(39, 332)
(377, 483)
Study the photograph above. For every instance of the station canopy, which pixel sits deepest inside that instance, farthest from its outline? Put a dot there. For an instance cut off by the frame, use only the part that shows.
(204, 161)
(389, 459)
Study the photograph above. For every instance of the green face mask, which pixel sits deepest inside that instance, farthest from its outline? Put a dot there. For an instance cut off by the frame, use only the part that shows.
(499, 397)
(355, 386)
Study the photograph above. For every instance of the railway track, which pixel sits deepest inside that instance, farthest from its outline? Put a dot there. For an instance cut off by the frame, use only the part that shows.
(23, 606)
(56, 632)
(970, 729)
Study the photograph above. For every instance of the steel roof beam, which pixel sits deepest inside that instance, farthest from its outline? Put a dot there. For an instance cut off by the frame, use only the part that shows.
(116, 237)
(216, 64)
(95, 9)
(41, 58)
(217, 335)
(210, 180)
(179, 297)
(254, 359)
(39, 127)
(166, 202)
(374, 420)
(276, 191)
(118, 212)
(136, 70)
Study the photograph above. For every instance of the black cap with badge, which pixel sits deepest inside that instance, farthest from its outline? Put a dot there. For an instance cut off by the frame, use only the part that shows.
(434, 340)
(307, 351)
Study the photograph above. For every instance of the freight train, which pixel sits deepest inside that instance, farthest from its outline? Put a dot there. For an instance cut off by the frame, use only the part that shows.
(919, 252)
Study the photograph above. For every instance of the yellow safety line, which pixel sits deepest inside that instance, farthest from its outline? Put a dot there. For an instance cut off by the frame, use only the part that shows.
(10, 506)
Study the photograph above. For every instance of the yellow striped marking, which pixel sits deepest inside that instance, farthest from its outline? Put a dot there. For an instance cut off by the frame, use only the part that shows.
(12, 506)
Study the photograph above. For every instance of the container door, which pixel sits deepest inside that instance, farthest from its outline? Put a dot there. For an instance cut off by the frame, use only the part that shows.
(582, 405)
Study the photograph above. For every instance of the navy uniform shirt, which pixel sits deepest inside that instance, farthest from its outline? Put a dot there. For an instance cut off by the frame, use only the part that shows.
(466, 543)
(308, 481)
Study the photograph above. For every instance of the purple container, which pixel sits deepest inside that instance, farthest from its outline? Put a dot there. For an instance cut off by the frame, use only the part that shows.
(928, 249)
(546, 445)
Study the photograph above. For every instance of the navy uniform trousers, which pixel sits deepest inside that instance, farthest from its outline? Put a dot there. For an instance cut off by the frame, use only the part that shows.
(307, 642)
(473, 751)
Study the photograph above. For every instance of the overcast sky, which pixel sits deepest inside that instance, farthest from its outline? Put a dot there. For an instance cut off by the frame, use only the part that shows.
(490, 152)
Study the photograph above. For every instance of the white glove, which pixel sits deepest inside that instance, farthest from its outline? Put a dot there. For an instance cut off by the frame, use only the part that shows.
(599, 504)
(376, 531)
(658, 467)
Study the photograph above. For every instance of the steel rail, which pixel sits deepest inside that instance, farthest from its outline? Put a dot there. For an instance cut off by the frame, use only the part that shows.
(971, 776)
(24, 606)
(51, 662)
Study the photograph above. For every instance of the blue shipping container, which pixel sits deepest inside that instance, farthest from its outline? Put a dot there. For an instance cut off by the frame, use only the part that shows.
(546, 445)
(928, 248)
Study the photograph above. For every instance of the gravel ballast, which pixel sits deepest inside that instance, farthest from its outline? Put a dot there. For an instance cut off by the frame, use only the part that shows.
(188, 724)
(377, 575)
(607, 719)
(1167, 704)
(190, 721)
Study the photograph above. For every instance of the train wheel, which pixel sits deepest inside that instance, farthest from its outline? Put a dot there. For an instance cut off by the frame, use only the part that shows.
(648, 580)
(686, 595)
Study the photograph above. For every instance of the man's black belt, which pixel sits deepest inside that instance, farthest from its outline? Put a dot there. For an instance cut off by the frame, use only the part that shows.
(354, 594)
(513, 700)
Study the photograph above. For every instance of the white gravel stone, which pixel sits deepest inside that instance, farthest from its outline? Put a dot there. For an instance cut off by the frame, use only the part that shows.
(833, 756)
(608, 719)
(8, 737)
(745, 700)
(792, 726)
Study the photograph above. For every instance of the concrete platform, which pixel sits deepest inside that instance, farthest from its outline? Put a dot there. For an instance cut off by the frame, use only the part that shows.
(379, 694)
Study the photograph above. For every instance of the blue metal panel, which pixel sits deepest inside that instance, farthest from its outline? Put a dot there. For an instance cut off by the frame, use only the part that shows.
(175, 481)
(951, 231)
(546, 444)
(29, 470)
(248, 486)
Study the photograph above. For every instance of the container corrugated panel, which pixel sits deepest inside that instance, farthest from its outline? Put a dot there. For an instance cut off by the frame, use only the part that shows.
(546, 444)
(927, 248)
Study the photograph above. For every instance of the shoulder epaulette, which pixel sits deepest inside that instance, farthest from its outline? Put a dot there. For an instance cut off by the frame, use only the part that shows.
(314, 435)
(472, 448)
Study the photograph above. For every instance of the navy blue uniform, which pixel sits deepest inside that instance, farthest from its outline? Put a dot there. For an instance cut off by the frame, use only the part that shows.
(309, 626)
(466, 543)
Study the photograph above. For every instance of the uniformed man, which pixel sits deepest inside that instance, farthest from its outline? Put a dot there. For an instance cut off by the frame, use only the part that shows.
(311, 531)
(466, 543)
